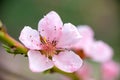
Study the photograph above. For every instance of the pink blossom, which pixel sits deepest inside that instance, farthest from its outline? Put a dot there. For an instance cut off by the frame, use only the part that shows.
(110, 70)
(101, 52)
(51, 44)
(98, 51)
(86, 41)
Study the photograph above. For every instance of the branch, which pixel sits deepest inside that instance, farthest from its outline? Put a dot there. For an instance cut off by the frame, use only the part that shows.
(11, 44)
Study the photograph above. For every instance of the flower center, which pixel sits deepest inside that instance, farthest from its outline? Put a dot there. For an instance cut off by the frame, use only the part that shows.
(48, 48)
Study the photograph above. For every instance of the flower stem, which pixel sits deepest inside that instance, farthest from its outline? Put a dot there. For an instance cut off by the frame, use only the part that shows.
(72, 76)
(6, 39)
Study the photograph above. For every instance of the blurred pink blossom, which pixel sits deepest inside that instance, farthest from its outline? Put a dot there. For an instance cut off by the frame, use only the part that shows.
(98, 51)
(86, 41)
(110, 70)
(51, 44)
(101, 52)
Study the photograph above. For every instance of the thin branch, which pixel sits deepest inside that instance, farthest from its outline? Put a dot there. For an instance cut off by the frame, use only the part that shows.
(14, 45)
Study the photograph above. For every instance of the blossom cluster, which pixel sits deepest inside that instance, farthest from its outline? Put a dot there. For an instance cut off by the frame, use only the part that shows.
(97, 51)
(65, 46)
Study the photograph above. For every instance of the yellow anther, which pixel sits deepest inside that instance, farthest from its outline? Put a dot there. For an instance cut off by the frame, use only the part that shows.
(43, 39)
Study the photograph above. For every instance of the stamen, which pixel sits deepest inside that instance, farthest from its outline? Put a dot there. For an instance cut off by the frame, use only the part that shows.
(43, 39)
(54, 43)
(49, 48)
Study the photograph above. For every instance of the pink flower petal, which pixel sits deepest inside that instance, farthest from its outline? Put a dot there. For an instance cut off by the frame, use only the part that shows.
(110, 70)
(38, 62)
(101, 52)
(50, 26)
(85, 45)
(30, 38)
(86, 31)
(70, 36)
(67, 61)
(86, 41)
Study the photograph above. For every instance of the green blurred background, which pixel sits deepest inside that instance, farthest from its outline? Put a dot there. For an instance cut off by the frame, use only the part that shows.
(102, 15)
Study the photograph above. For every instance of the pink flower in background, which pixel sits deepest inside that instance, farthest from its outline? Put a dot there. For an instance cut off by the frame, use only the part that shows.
(101, 52)
(86, 41)
(110, 70)
(98, 51)
(51, 44)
